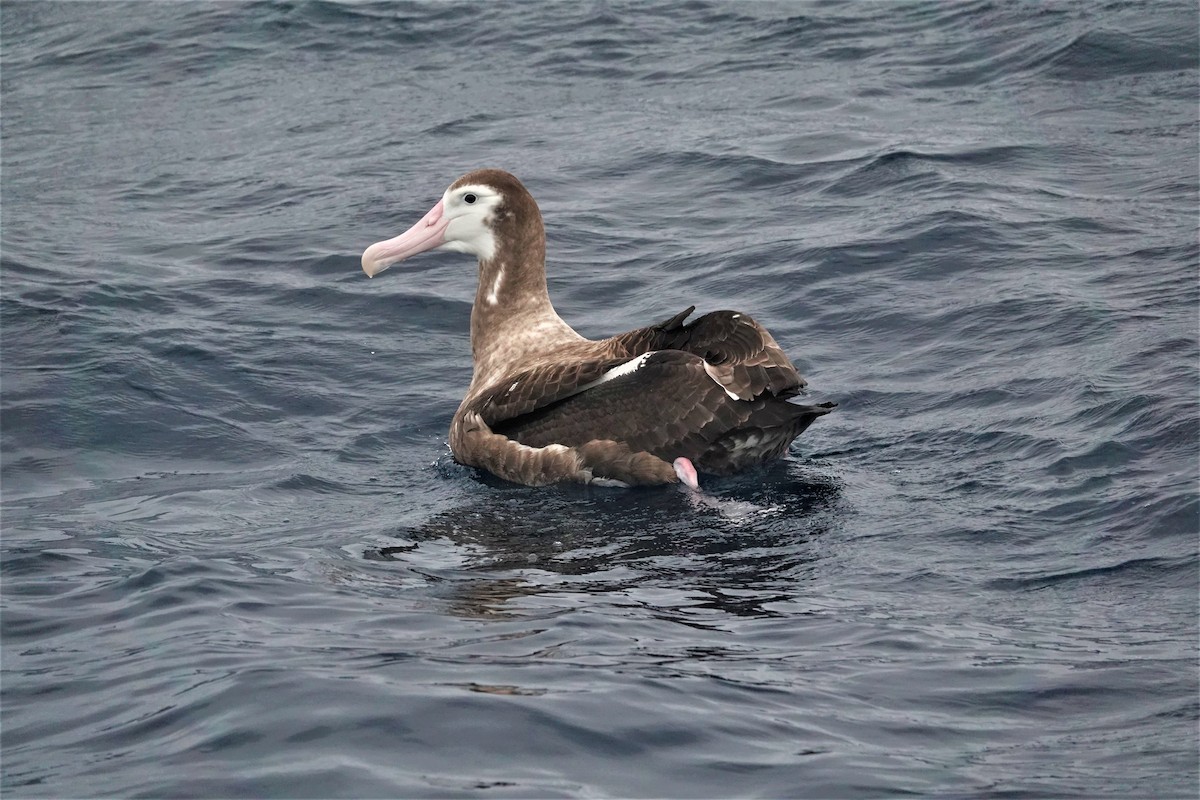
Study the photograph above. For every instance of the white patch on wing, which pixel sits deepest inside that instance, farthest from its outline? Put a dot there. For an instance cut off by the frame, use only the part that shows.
(629, 367)
(711, 372)
(750, 441)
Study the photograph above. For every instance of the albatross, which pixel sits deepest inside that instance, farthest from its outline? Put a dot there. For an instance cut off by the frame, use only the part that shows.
(651, 406)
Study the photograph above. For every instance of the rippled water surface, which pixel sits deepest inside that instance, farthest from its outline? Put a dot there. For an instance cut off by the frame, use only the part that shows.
(237, 559)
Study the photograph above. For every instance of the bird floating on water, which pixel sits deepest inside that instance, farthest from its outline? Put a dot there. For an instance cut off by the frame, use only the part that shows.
(651, 406)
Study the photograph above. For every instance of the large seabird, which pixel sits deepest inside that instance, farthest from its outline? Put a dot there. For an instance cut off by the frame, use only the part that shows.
(650, 406)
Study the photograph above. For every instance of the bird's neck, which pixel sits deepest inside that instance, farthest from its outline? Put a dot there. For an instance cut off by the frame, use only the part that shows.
(513, 319)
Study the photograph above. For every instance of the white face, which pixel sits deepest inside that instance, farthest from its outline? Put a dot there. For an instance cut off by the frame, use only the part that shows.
(460, 221)
(470, 210)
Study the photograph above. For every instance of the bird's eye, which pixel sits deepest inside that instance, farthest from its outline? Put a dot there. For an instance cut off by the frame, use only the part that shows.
(469, 198)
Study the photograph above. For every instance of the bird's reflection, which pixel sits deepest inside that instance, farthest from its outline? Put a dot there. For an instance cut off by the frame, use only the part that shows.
(740, 544)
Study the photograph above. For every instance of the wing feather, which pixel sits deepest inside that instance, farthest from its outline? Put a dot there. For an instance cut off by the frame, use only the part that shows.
(514, 395)
(711, 390)
(742, 355)
(669, 407)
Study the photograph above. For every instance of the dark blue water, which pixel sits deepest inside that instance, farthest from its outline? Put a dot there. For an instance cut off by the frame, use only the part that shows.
(238, 560)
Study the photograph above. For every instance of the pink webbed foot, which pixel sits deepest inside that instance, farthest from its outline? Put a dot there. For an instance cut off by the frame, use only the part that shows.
(687, 473)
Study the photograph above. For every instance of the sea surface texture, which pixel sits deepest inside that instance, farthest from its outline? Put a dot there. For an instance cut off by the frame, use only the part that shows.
(238, 559)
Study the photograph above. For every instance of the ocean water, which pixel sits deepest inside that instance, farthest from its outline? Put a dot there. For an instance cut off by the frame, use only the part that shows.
(237, 559)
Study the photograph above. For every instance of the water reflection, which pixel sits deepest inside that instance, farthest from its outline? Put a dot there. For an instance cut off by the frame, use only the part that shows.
(741, 545)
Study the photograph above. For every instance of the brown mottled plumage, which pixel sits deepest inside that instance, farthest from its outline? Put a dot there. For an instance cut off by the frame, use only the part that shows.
(538, 412)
